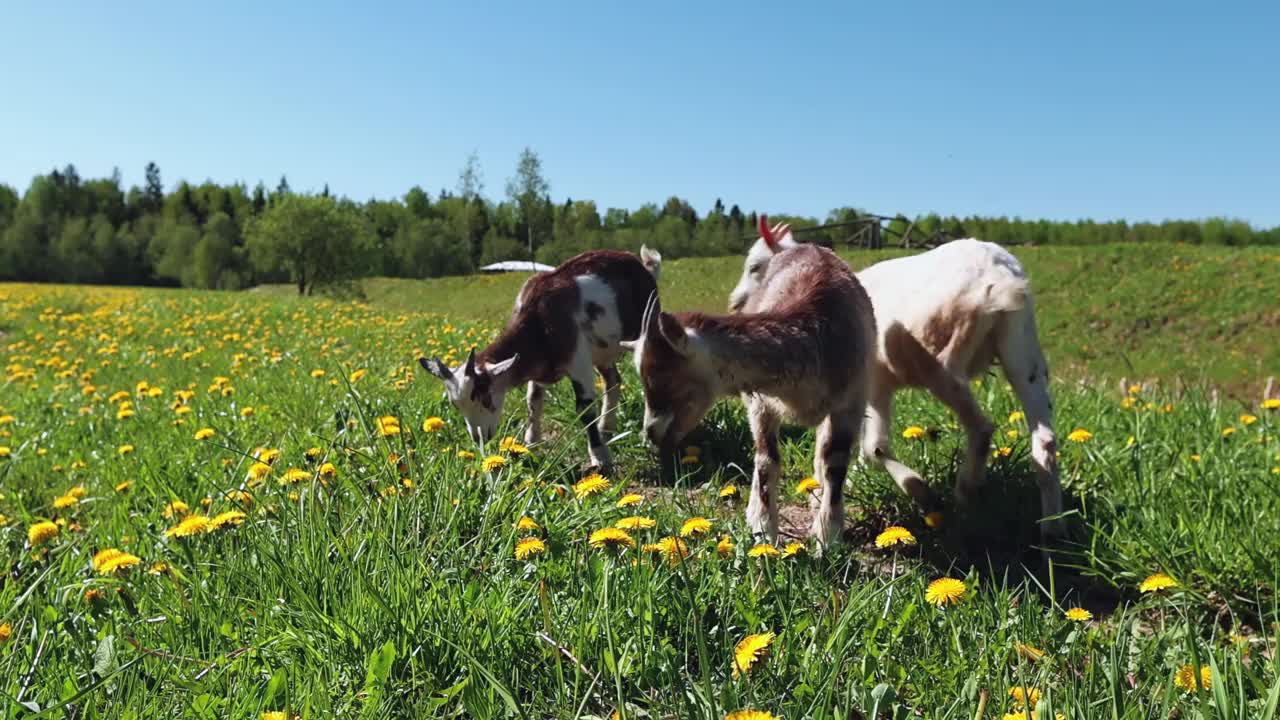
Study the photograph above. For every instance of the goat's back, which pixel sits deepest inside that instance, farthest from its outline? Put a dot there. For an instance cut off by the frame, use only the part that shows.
(811, 293)
(625, 275)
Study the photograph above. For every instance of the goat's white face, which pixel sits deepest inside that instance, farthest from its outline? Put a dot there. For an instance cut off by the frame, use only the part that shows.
(771, 240)
(477, 392)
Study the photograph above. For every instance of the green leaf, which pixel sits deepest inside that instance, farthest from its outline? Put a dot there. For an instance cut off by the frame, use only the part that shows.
(104, 658)
(380, 662)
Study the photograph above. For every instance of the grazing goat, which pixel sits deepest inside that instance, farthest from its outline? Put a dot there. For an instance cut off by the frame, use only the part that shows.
(801, 353)
(942, 316)
(565, 322)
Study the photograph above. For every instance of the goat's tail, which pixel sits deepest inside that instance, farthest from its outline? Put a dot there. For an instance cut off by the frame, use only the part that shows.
(652, 260)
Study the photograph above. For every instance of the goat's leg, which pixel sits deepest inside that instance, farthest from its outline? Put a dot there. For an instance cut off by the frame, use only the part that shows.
(584, 395)
(955, 394)
(536, 399)
(1025, 367)
(876, 448)
(612, 398)
(762, 508)
(836, 436)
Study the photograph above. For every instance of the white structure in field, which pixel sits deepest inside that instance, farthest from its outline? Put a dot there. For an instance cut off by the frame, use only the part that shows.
(516, 266)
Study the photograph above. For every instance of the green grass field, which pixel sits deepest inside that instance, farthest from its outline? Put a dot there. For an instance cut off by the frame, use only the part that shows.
(323, 551)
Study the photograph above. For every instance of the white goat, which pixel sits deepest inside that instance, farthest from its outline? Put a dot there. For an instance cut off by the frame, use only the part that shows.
(942, 317)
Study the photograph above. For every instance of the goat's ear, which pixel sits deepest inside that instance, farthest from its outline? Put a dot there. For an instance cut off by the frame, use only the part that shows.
(629, 345)
(471, 364)
(766, 232)
(496, 369)
(437, 368)
(674, 333)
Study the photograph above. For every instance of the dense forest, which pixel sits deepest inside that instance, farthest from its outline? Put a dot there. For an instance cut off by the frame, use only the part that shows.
(68, 229)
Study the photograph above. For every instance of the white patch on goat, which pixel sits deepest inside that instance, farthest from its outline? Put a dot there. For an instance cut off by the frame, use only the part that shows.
(604, 331)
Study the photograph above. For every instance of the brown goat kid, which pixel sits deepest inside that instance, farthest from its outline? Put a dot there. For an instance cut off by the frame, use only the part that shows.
(799, 352)
(565, 322)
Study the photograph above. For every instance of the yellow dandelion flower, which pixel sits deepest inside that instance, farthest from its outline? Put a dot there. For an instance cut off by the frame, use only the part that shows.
(695, 527)
(528, 547)
(1156, 583)
(793, 549)
(63, 502)
(934, 519)
(175, 508)
(493, 462)
(328, 470)
(124, 449)
(635, 522)
(1078, 614)
(117, 562)
(630, 499)
(806, 485)
(6, 632)
(1016, 416)
(432, 424)
(729, 491)
(227, 519)
(466, 455)
(1247, 419)
(914, 432)
(258, 471)
(511, 445)
(945, 591)
(275, 715)
(1228, 432)
(611, 538)
(762, 550)
(125, 413)
(1080, 435)
(1022, 697)
(240, 497)
(294, 475)
(1030, 653)
(751, 715)
(191, 525)
(183, 410)
(358, 375)
(750, 650)
(41, 533)
(1186, 676)
(593, 484)
(893, 536)
(5, 451)
(246, 412)
(1271, 404)
(204, 433)
(672, 549)
(388, 425)
(317, 373)
(689, 460)
(527, 524)
(725, 546)
(312, 454)
(102, 556)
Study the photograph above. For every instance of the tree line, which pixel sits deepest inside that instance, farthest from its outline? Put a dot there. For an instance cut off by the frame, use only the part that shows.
(68, 229)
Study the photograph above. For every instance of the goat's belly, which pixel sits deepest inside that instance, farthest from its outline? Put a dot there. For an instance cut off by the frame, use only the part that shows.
(808, 410)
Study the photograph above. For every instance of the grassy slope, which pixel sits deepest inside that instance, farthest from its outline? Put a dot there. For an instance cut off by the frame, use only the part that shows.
(288, 610)
(1179, 313)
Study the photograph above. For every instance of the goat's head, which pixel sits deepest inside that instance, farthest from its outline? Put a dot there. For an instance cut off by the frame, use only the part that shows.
(679, 382)
(772, 240)
(476, 390)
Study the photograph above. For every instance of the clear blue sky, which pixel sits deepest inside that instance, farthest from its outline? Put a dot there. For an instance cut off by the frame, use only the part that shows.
(1094, 109)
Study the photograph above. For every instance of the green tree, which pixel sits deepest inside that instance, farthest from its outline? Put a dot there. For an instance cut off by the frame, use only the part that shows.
(314, 240)
(530, 192)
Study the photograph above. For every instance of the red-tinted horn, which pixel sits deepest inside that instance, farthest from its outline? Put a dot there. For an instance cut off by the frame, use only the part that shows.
(766, 232)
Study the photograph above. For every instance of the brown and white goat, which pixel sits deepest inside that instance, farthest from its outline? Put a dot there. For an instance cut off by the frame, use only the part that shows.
(942, 317)
(800, 352)
(565, 322)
